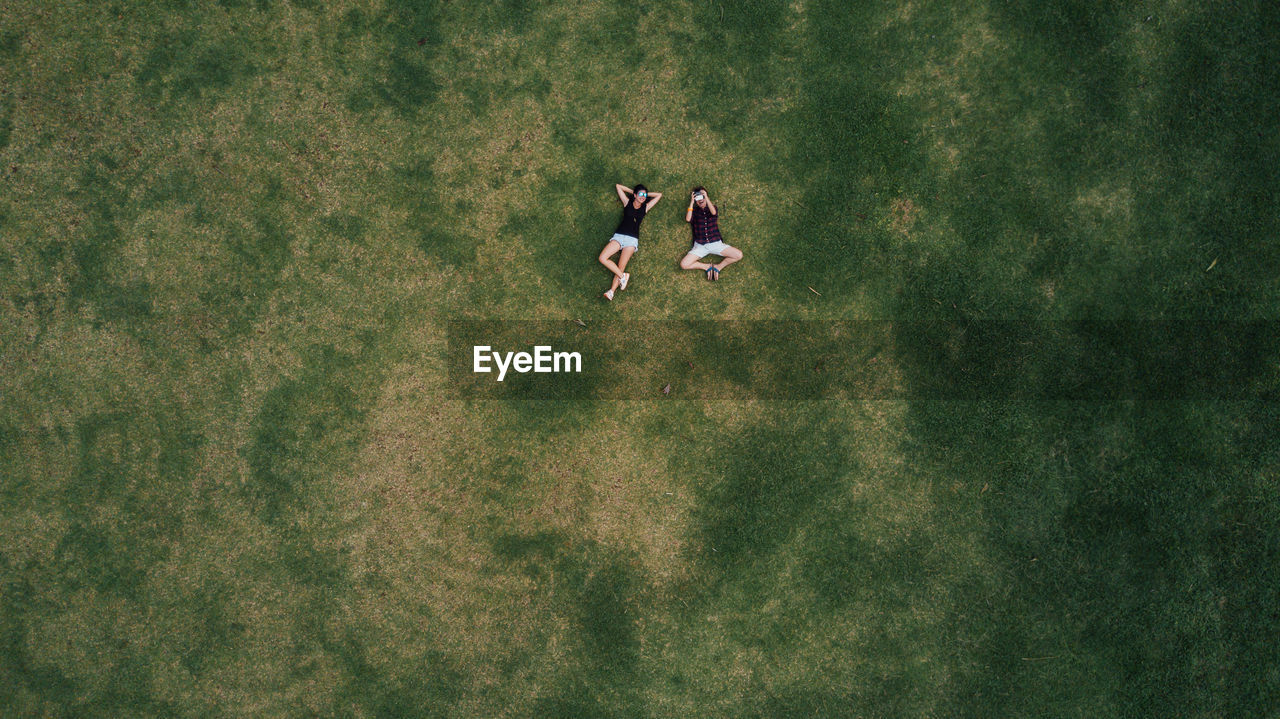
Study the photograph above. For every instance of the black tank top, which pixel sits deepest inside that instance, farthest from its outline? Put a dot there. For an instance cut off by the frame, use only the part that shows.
(630, 225)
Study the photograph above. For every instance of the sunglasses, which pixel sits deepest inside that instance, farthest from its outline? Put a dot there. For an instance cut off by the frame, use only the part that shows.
(642, 194)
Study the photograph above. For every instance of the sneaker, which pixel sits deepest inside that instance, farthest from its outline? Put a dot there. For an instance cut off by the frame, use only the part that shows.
(622, 283)
(609, 295)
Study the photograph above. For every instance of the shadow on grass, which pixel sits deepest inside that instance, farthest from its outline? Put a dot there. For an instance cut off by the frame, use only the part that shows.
(1219, 155)
(302, 420)
(1132, 542)
(305, 426)
(767, 482)
(1126, 540)
(1132, 547)
(427, 686)
(1079, 43)
(250, 269)
(241, 282)
(136, 469)
(409, 31)
(20, 672)
(598, 593)
(186, 64)
(114, 451)
(104, 189)
(789, 479)
(852, 149)
(408, 35)
(429, 217)
(566, 247)
(1168, 145)
(733, 59)
(844, 138)
(6, 124)
(784, 539)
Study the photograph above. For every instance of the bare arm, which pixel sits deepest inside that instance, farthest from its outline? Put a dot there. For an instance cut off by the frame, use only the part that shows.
(688, 213)
(653, 200)
(711, 205)
(623, 191)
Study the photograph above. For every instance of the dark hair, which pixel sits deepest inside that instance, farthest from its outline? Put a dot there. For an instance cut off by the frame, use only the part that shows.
(639, 188)
(699, 188)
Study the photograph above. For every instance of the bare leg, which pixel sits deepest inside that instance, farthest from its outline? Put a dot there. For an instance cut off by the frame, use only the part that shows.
(690, 262)
(610, 250)
(627, 252)
(731, 255)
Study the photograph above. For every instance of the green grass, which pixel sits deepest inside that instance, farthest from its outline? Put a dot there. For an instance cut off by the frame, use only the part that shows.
(239, 481)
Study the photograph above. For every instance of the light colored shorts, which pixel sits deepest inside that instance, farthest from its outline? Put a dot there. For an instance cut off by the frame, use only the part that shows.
(711, 248)
(626, 241)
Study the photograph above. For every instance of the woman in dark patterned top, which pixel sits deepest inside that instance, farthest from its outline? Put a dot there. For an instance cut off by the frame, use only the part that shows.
(704, 220)
(627, 237)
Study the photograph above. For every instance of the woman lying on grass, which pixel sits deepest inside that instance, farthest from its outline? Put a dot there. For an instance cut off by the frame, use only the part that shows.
(627, 237)
(704, 220)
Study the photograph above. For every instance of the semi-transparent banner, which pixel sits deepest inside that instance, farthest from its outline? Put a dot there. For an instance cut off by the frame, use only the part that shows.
(801, 360)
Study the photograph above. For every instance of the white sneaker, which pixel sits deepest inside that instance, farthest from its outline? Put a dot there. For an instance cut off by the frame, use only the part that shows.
(609, 295)
(622, 283)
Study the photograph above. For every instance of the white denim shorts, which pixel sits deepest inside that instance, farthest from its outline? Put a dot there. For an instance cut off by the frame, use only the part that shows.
(626, 241)
(711, 248)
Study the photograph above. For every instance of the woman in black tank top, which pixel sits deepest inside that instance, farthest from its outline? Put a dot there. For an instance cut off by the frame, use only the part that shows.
(626, 239)
(631, 217)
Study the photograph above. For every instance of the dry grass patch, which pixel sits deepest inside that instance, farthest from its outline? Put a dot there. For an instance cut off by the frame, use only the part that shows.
(903, 212)
(944, 88)
(1105, 211)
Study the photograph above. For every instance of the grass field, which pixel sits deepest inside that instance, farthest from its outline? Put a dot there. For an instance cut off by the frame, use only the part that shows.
(235, 480)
